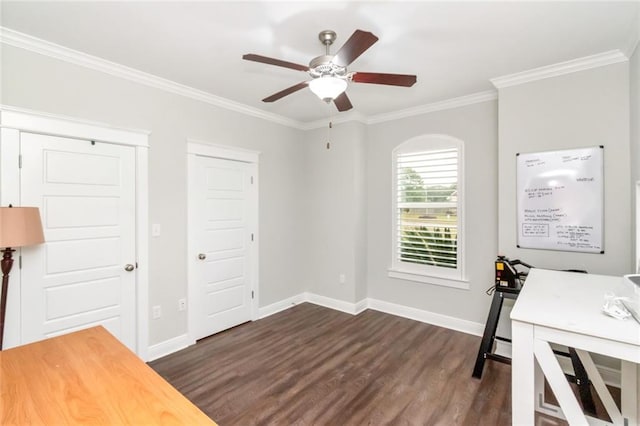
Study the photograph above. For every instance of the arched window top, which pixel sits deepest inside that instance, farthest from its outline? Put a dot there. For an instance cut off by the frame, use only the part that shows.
(429, 142)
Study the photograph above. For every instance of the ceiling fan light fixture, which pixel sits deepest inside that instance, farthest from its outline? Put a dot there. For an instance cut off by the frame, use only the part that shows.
(329, 76)
(328, 87)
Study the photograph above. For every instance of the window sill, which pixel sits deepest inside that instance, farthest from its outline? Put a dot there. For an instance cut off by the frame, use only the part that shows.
(429, 279)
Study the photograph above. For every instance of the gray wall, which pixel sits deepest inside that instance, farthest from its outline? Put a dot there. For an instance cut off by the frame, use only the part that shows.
(337, 221)
(582, 109)
(44, 84)
(476, 125)
(634, 81)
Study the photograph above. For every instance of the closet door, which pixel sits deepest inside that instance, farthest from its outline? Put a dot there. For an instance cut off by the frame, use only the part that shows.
(224, 205)
(84, 275)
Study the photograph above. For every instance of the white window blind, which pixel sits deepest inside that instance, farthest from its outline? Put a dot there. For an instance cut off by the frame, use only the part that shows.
(427, 208)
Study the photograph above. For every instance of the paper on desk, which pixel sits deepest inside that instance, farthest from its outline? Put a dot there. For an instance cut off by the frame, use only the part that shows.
(614, 308)
(626, 300)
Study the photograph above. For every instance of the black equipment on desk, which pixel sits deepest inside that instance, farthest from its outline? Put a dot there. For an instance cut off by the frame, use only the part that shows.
(507, 276)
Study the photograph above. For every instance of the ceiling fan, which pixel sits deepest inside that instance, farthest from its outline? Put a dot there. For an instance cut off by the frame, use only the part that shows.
(329, 75)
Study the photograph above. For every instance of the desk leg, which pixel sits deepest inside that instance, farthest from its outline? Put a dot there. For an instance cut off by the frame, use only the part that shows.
(630, 381)
(558, 383)
(522, 374)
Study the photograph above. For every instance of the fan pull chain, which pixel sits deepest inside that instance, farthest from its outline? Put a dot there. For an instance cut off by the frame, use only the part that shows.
(330, 126)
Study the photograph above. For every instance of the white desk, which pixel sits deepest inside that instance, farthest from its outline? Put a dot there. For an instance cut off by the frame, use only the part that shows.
(566, 308)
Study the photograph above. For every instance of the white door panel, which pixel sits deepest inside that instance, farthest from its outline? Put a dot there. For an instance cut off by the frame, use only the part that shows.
(86, 195)
(227, 180)
(219, 241)
(81, 212)
(80, 255)
(225, 269)
(65, 300)
(225, 300)
(223, 194)
(112, 325)
(224, 210)
(98, 168)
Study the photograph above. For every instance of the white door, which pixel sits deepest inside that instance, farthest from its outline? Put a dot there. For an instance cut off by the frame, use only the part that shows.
(79, 277)
(222, 238)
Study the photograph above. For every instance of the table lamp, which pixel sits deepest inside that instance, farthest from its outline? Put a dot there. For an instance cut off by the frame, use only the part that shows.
(19, 226)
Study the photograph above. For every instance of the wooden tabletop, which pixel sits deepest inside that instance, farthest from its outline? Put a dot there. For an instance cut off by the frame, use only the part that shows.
(87, 378)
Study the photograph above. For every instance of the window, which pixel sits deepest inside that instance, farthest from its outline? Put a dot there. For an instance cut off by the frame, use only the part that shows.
(427, 211)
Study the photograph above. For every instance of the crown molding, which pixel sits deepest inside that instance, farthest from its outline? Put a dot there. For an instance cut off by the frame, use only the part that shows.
(474, 98)
(460, 101)
(561, 68)
(43, 47)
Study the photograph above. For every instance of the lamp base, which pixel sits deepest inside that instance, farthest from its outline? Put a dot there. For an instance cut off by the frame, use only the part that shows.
(6, 263)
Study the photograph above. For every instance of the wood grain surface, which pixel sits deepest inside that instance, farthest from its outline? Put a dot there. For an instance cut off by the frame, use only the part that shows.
(311, 365)
(87, 378)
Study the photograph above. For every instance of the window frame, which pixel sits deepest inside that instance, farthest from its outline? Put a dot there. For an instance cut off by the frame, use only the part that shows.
(438, 275)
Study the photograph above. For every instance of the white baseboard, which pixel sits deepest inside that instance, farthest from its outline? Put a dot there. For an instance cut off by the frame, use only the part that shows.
(316, 299)
(281, 305)
(361, 306)
(428, 317)
(169, 346)
(610, 376)
(503, 348)
(338, 305)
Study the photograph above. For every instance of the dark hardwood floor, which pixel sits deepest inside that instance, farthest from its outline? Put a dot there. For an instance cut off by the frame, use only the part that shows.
(311, 365)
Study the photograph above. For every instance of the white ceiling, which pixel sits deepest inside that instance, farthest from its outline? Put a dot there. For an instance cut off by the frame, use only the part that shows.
(454, 48)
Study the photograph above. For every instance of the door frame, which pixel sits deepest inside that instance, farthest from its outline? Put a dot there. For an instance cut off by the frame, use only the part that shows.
(197, 148)
(15, 120)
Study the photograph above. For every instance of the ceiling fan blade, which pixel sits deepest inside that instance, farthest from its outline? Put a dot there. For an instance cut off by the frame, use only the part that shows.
(357, 43)
(342, 102)
(380, 78)
(286, 92)
(273, 61)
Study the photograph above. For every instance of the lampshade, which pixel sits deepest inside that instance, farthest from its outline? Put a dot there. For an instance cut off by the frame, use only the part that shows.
(20, 226)
(328, 88)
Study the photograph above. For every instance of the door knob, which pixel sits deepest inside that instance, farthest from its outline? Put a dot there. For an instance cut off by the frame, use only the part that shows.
(202, 256)
(129, 267)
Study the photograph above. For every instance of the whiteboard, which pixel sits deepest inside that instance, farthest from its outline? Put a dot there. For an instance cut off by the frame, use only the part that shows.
(560, 200)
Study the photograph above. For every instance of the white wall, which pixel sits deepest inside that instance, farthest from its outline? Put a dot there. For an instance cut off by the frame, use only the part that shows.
(476, 125)
(582, 109)
(335, 210)
(634, 81)
(360, 186)
(44, 84)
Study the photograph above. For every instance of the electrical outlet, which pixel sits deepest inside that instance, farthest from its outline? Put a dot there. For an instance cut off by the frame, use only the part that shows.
(155, 230)
(156, 312)
(182, 304)
(342, 278)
